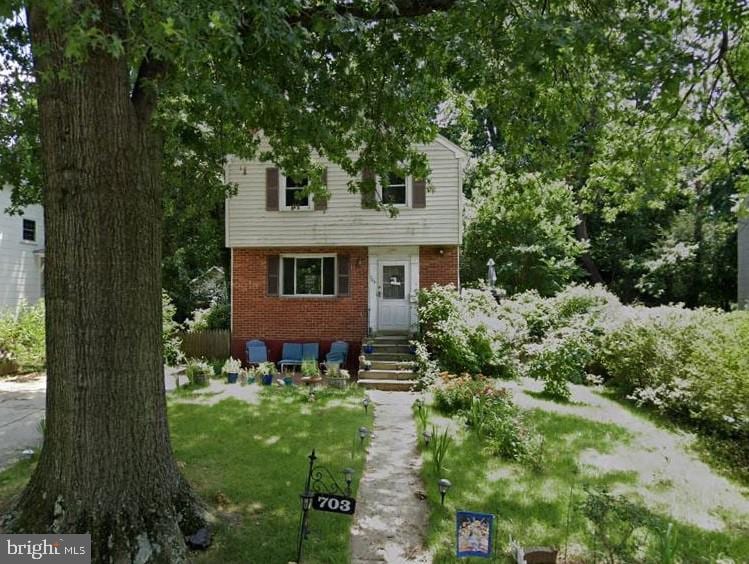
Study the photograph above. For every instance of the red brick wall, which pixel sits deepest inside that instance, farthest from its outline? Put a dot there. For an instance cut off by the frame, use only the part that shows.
(436, 268)
(275, 319)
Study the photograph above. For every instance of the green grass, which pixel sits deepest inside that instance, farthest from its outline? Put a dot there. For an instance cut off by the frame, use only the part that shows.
(249, 463)
(534, 506)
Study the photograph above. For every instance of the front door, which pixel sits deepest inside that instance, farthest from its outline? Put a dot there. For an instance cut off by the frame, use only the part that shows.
(393, 296)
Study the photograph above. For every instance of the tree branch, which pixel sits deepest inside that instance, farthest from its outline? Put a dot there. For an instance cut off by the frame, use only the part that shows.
(398, 9)
(735, 82)
(144, 95)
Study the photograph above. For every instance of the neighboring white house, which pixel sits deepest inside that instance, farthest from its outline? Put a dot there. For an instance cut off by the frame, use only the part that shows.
(21, 254)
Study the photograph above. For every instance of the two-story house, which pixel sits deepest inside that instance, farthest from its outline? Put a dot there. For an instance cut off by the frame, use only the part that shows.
(304, 270)
(21, 255)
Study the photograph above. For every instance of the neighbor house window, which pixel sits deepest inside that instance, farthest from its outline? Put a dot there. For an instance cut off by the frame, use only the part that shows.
(308, 275)
(294, 197)
(29, 230)
(394, 190)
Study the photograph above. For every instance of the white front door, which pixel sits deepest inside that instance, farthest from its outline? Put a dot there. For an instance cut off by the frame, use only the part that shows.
(394, 311)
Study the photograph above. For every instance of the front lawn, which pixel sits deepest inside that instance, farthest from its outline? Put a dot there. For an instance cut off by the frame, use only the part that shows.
(249, 463)
(542, 506)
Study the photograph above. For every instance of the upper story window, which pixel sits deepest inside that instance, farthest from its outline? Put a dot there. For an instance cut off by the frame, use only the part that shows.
(395, 190)
(294, 197)
(308, 275)
(29, 230)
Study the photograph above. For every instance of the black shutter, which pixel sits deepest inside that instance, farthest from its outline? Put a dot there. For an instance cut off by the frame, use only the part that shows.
(368, 190)
(419, 194)
(321, 204)
(344, 275)
(271, 189)
(273, 261)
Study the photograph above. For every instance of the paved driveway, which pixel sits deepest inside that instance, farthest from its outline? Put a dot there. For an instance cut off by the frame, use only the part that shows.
(21, 409)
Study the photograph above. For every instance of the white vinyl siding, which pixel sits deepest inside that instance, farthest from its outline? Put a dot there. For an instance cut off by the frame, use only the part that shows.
(345, 223)
(21, 259)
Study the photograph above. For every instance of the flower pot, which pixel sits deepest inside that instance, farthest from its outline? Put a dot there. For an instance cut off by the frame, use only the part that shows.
(288, 380)
(267, 379)
(412, 349)
(337, 382)
(232, 377)
(368, 349)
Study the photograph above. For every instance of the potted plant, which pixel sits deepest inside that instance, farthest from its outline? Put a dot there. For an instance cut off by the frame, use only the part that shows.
(231, 368)
(267, 370)
(310, 371)
(246, 375)
(368, 347)
(336, 377)
(198, 372)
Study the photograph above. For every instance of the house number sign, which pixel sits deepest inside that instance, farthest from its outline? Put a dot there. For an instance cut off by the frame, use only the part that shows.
(334, 503)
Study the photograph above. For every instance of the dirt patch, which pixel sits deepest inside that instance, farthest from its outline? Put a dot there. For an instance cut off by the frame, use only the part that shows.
(671, 478)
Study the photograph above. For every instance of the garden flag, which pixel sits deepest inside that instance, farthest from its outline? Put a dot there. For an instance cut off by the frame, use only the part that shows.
(474, 534)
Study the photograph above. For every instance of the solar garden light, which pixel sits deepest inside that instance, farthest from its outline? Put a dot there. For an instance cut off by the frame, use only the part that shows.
(363, 433)
(427, 437)
(365, 403)
(419, 403)
(348, 474)
(444, 485)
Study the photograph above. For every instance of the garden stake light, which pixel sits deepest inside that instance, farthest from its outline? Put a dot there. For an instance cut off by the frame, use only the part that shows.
(348, 474)
(365, 403)
(444, 485)
(427, 437)
(363, 433)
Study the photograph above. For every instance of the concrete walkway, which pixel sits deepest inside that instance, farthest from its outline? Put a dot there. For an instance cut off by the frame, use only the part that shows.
(391, 520)
(22, 403)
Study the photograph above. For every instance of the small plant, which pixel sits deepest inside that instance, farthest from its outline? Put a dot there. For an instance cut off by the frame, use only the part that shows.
(615, 521)
(266, 371)
(364, 364)
(198, 372)
(232, 366)
(246, 375)
(439, 445)
(666, 541)
(310, 369)
(422, 416)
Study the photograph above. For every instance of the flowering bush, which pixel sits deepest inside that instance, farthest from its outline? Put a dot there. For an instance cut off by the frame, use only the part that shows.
(171, 342)
(425, 368)
(491, 413)
(22, 337)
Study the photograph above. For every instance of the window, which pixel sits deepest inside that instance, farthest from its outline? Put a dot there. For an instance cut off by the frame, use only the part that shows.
(394, 190)
(294, 197)
(29, 230)
(308, 275)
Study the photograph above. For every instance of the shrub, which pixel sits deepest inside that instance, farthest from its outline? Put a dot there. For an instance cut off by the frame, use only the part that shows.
(170, 340)
(215, 316)
(22, 338)
(453, 394)
(425, 368)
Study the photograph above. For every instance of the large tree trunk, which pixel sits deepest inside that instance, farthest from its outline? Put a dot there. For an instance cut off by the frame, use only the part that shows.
(106, 466)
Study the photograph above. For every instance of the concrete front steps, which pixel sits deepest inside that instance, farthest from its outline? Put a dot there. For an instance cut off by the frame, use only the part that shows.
(391, 365)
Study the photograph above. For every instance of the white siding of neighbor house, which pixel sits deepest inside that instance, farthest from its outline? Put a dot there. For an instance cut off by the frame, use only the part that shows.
(20, 267)
(248, 224)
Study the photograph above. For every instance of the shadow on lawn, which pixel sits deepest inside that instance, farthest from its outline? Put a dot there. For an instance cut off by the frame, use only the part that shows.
(540, 508)
(249, 463)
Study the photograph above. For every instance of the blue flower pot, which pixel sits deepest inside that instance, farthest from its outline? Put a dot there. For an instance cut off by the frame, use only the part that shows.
(267, 379)
(232, 377)
(368, 349)
(288, 381)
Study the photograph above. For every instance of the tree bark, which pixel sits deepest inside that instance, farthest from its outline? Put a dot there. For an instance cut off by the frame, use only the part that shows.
(581, 233)
(106, 465)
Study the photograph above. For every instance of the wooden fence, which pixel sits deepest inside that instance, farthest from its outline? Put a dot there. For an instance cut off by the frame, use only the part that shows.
(206, 344)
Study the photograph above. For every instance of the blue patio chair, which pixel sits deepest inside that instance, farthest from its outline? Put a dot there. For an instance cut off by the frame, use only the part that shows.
(310, 351)
(338, 353)
(291, 355)
(256, 352)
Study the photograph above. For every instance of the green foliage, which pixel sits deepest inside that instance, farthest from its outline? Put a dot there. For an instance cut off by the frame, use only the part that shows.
(198, 372)
(439, 446)
(542, 258)
(216, 316)
(615, 521)
(170, 340)
(22, 338)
